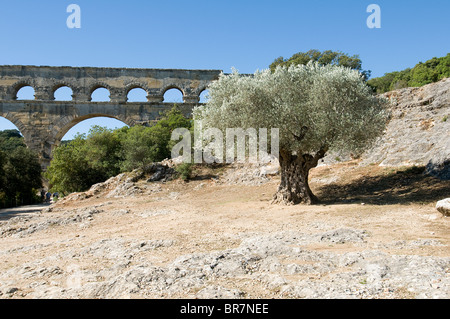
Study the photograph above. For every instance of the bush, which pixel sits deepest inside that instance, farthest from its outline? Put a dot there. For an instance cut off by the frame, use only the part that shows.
(104, 153)
(185, 171)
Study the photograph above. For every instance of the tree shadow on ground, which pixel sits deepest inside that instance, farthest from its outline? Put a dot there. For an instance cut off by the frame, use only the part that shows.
(204, 177)
(207, 171)
(404, 186)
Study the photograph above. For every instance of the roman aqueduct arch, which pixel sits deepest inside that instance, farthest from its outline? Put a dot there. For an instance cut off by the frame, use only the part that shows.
(43, 121)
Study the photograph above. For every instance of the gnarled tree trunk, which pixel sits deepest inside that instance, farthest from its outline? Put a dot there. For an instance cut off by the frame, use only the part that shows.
(294, 187)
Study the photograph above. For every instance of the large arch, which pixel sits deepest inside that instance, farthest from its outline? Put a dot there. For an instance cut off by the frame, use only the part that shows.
(10, 123)
(67, 122)
(7, 125)
(14, 120)
(26, 132)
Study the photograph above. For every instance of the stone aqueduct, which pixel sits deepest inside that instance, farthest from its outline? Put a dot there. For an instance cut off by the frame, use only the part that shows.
(43, 121)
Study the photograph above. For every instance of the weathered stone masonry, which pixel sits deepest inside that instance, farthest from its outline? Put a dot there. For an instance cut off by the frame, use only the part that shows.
(44, 121)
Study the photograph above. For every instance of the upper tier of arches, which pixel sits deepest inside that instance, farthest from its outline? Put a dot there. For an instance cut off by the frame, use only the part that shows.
(64, 92)
(79, 84)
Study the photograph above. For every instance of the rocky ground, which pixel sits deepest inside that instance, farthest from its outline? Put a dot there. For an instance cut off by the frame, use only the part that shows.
(376, 234)
(218, 236)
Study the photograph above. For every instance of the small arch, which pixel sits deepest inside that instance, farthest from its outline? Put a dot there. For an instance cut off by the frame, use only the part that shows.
(16, 87)
(63, 93)
(100, 94)
(204, 96)
(173, 95)
(137, 94)
(25, 92)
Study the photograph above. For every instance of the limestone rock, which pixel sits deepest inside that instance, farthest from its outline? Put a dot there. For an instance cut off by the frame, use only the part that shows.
(418, 132)
(252, 173)
(443, 206)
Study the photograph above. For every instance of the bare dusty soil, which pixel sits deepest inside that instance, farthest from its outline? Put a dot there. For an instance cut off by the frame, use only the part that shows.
(376, 234)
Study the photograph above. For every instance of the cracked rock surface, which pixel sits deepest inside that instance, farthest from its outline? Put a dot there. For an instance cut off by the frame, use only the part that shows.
(222, 241)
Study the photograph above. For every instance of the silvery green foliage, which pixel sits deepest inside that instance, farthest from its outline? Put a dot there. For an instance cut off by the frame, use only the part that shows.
(315, 107)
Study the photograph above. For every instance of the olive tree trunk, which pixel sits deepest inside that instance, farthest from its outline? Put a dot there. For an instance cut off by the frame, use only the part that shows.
(294, 187)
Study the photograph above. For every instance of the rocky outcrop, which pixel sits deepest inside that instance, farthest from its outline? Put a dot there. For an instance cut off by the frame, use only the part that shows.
(443, 206)
(127, 184)
(251, 174)
(418, 132)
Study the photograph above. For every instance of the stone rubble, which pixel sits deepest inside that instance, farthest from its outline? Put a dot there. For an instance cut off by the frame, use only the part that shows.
(443, 206)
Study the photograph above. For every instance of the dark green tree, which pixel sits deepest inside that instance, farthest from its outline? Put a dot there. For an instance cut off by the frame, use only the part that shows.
(144, 145)
(70, 170)
(20, 171)
(103, 151)
(139, 148)
(23, 176)
(10, 140)
(2, 170)
(323, 58)
(163, 130)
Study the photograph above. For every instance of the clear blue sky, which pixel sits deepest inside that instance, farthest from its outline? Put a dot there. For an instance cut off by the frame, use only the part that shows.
(244, 34)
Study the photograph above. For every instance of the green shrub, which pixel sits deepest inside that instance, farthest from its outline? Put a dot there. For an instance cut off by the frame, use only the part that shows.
(185, 171)
(104, 153)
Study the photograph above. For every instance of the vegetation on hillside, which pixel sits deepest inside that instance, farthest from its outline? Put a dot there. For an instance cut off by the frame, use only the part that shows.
(104, 153)
(431, 71)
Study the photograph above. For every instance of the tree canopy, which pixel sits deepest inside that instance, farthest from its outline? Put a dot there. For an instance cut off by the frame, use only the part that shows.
(316, 108)
(323, 58)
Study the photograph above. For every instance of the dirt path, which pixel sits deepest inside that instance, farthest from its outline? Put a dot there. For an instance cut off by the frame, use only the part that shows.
(7, 213)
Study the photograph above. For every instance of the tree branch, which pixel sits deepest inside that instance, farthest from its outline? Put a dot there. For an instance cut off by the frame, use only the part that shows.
(300, 137)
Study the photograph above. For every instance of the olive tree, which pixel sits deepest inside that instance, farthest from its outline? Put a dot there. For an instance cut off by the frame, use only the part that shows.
(317, 108)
